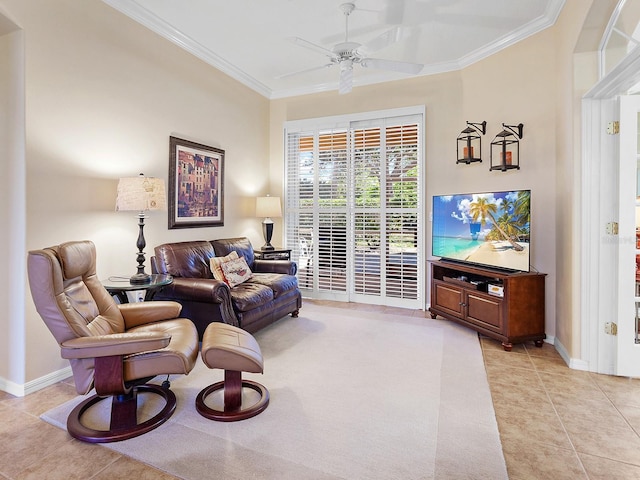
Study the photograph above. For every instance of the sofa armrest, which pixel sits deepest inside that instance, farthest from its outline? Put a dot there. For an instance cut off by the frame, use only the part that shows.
(208, 290)
(275, 266)
(203, 290)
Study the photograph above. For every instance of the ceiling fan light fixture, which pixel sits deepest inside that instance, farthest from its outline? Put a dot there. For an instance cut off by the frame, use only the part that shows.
(346, 64)
(346, 80)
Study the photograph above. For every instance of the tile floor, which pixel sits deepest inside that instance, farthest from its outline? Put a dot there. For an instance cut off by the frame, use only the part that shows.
(554, 422)
(557, 423)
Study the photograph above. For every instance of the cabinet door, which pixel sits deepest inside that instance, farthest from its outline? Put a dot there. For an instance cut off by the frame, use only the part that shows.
(485, 311)
(448, 297)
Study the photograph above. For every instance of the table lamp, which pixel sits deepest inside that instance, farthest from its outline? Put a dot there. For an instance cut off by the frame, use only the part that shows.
(139, 194)
(268, 207)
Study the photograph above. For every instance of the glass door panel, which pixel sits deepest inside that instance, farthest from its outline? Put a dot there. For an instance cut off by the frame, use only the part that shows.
(621, 36)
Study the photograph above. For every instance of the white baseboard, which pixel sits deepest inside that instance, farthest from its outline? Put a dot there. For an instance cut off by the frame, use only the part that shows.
(34, 385)
(573, 363)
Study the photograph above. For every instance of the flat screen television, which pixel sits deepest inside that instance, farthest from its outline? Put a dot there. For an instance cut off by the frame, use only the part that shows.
(489, 229)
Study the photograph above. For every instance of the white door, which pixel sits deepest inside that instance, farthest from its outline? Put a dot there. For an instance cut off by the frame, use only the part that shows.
(628, 346)
(607, 197)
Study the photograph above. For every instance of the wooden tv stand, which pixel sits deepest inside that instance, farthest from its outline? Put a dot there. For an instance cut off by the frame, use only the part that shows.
(459, 292)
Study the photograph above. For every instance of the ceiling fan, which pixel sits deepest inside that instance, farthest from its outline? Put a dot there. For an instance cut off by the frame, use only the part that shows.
(347, 54)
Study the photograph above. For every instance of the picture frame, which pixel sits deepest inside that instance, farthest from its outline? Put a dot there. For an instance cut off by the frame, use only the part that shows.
(196, 184)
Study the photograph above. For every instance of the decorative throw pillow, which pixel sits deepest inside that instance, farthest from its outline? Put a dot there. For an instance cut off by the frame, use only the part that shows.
(236, 271)
(216, 262)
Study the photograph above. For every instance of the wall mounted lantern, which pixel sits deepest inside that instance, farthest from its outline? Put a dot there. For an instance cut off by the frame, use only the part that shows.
(469, 144)
(505, 148)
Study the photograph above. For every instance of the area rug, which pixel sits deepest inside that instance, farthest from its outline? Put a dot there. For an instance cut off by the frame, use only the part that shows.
(355, 394)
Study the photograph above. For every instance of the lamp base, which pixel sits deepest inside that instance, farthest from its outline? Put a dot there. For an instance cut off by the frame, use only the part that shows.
(140, 279)
(267, 231)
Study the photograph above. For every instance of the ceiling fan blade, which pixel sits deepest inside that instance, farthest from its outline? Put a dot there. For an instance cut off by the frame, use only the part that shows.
(312, 46)
(346, 80)
(393, 65)
(306, 70)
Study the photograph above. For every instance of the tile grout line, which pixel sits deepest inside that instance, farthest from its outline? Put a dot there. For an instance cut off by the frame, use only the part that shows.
(120, 456)
(617, 409)
(573, 447)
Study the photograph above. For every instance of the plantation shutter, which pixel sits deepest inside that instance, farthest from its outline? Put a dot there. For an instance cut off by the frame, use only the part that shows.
(403, 197)
(368, 238)
(352, 200)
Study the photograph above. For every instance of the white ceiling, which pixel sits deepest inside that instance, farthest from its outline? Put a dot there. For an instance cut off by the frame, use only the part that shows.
(250, 40)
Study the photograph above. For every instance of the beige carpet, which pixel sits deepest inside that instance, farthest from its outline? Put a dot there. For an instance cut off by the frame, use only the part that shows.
(354, 395)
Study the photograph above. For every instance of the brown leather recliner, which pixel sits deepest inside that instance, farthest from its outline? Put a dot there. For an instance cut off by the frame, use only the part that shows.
(115, 348)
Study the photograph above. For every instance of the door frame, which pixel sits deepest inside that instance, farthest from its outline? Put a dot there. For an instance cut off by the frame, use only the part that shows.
(598, 197)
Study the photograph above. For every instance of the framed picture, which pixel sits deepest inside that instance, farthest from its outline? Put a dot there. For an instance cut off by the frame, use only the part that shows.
(196, 185)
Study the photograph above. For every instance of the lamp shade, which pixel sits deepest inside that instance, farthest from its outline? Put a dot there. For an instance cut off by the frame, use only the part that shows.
(268, 207)
(141, 193)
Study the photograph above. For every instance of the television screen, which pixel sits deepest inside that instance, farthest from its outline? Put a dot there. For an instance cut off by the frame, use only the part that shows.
(490, 229)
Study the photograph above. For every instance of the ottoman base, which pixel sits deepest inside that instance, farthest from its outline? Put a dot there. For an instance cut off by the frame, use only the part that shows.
(234, 351)
(233, 410)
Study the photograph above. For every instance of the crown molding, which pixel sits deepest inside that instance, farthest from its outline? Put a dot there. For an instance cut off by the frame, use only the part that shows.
(363, 81)
(535, 26)
(545, 21)
(143, 16)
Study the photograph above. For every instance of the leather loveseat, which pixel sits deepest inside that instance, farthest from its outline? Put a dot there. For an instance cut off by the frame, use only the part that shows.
(269, 294)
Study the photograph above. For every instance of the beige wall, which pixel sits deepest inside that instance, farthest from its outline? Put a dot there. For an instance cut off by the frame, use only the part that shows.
(103, 95)
(12, 201)
(576, 74)
(514, 86)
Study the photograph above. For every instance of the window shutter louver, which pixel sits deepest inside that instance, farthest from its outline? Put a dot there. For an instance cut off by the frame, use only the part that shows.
(354, 221)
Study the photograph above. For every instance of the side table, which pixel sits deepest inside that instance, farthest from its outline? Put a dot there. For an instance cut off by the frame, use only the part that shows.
(119, 288)
(275, 254)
